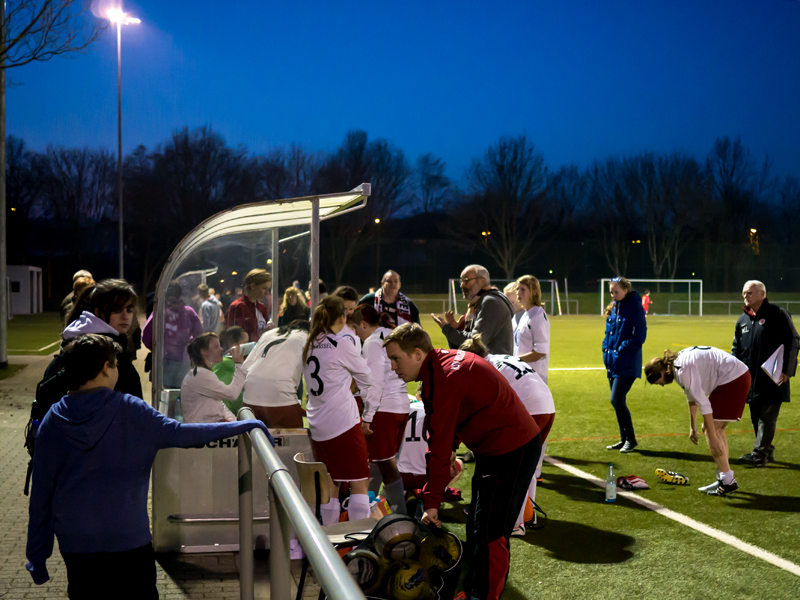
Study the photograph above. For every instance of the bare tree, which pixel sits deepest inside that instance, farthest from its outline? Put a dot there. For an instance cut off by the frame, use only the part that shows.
(614, 211)
(358, 161)
(505, 208)
(432, 185)
(34, 30)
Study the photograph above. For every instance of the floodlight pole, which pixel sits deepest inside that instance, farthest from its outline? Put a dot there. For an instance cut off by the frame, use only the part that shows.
(119, 145)
(314, 254)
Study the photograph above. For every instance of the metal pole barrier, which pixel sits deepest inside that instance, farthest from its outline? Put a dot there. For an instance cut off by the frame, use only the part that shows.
(246, 576)
(328, 566)
(280, 581)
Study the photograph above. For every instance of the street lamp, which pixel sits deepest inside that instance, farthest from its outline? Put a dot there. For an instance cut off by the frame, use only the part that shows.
(115, 15)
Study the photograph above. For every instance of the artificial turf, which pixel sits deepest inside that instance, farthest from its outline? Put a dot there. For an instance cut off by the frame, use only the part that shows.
(590, 549)
(34, 334)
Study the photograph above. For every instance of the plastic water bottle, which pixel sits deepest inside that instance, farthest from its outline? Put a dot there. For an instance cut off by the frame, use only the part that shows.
(611, 484)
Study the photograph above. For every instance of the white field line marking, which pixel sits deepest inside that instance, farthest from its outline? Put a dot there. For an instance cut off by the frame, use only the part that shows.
(579, 369)
(684, 520)
(36, 350)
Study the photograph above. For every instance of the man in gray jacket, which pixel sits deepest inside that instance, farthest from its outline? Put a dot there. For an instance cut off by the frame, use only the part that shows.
(489, 313)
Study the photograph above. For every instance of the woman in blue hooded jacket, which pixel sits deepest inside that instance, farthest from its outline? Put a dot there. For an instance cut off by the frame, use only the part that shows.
(626, 331)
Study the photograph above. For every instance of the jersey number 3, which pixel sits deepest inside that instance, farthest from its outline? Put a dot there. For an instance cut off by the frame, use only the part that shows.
(315, 376)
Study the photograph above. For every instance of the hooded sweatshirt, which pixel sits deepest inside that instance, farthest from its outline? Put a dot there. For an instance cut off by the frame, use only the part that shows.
(129, 381)
(94, 452)
(493, 319)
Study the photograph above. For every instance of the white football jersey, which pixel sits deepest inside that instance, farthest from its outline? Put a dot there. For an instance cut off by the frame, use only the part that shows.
(330, 367)
(700, 369)
(530, 388)
(349, 334)
(390, 390)
(532, 333)
(411, 458)
(275, 369)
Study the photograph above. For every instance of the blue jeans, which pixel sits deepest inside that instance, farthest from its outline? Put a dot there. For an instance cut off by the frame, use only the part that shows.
(620, 386)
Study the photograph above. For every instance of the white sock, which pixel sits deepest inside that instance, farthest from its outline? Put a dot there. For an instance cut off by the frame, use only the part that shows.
(538, 472)
(727, 477)
(375, 478)
(396, 496)
(358, 507)
(330, 512)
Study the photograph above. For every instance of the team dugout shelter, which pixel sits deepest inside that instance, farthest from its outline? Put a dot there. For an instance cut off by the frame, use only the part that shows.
(195, 491)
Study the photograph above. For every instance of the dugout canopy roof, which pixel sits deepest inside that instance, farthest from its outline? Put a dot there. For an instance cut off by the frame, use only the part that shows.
(270, 214)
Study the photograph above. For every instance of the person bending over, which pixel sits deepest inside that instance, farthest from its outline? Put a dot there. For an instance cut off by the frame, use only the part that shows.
(94, 452)
(274, 373)
(467, 400)
(534, 394)
(716, 384)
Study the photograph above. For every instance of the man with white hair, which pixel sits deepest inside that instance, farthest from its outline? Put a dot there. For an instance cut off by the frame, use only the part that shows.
(760, 331)
(490, 313)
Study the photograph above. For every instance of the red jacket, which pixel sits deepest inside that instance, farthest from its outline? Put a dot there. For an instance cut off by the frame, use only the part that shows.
(467, 400)
(242, 312)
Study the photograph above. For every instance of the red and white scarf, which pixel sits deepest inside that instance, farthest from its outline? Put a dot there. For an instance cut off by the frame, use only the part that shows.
(403, 314)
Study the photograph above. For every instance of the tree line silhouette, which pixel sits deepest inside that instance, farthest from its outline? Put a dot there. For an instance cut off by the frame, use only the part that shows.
(636, 215)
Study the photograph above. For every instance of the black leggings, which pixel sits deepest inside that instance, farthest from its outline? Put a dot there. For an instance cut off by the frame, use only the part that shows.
(499, 487)
(620, 386)
(128, 575)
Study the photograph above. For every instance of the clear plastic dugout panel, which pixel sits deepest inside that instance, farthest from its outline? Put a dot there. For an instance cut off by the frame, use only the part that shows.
(195, 490)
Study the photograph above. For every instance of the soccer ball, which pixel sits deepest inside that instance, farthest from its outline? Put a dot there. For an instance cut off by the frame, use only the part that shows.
(440, 552)
(397, 537)
(366, 567)
(408, 580)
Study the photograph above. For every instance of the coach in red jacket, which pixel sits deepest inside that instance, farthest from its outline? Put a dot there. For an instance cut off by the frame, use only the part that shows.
(467, 400)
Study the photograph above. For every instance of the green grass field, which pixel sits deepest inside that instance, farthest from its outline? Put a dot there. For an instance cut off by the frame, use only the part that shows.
(34, 334)
(590, 549)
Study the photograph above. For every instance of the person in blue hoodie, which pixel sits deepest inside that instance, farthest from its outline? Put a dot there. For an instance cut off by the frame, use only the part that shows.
(626, 331)
(94, 452)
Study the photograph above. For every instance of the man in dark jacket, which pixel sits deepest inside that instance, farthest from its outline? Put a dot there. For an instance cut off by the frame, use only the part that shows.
(760, 331)
(490, 313)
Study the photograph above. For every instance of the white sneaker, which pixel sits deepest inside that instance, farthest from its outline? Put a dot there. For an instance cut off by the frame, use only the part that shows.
(519, 530)
(710, 487)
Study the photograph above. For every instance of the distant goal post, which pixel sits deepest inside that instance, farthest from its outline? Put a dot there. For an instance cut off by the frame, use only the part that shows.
(551, 297)
(689, 283)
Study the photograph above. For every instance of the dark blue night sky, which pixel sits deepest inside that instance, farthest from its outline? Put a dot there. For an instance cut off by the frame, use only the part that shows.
(583, 79)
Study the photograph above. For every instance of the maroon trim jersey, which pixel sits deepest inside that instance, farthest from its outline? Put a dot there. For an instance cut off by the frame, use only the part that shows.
(467, 400)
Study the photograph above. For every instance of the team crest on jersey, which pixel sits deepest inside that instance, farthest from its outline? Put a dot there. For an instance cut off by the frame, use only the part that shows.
(762, 321)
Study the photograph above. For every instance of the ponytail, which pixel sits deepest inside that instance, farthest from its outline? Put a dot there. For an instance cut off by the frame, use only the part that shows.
(328, 311)
(366, 313)
(661, 366)
(476, 346)
(195, 347)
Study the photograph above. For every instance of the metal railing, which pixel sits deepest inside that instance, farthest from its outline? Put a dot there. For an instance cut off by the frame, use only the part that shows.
(288, 512)
(729, 303)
